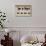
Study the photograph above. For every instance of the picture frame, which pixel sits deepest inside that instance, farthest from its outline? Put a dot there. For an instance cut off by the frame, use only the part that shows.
(23, 10)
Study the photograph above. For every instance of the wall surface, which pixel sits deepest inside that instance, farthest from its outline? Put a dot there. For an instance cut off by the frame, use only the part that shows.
(38, 13)
(9, 7)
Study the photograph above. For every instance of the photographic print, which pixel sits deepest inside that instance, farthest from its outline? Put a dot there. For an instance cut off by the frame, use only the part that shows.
(23, 10)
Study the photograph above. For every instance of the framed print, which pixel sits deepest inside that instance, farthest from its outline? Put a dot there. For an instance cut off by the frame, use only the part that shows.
(23, 10)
